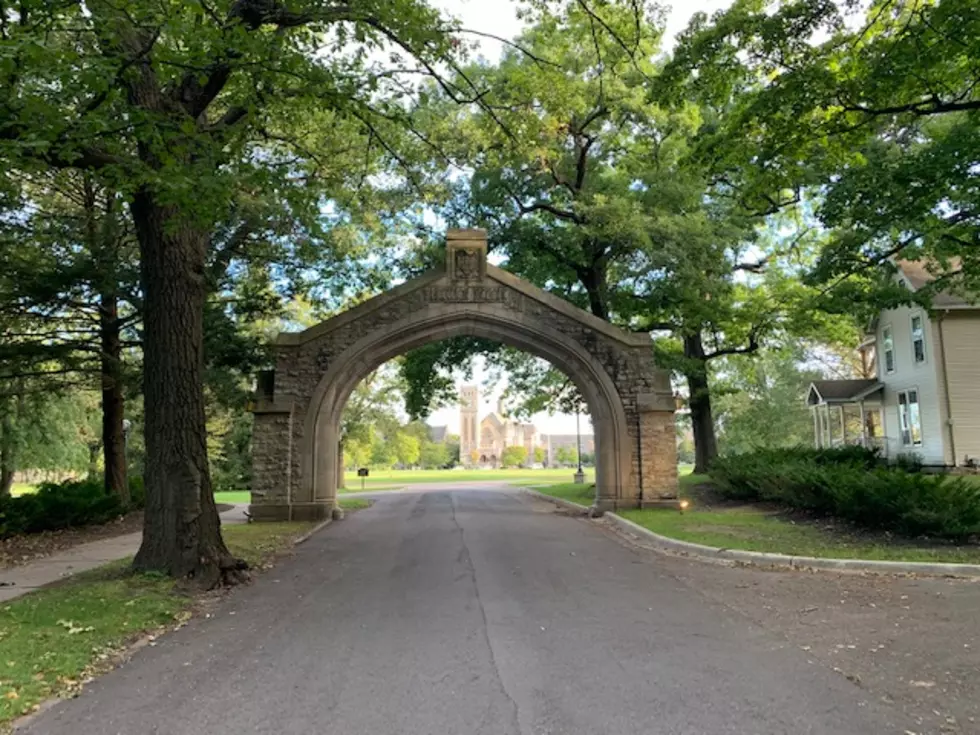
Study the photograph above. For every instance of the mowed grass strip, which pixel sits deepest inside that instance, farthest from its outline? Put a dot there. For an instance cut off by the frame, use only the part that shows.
(381, 480)
(751, 528)
(584, 494)
(243, 496)
(54, 639)
(401, 478)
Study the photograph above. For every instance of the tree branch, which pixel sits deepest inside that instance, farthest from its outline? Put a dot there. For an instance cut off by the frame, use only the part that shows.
(753, 346)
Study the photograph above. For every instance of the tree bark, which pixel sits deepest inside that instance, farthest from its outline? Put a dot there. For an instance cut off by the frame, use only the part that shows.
(181, 530)
(7, 463)
(594, 281)
(702, 420)
(113, 406)
(104, 246)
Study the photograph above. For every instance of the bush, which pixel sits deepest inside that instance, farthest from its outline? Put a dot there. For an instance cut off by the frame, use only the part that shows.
(909, 461)
(137, 493)
(58, 505)
(849, 483)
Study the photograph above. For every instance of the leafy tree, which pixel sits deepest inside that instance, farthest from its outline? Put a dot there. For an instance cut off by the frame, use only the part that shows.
(383, 455)
(513, 456)
(68, 276)
(435, 455)
(407, 449)
(358, 452)
(566, 456)
(49, 431)
(761, 402)
(452, 447)
(610, 198)
(539, 455)
(372, 406)
(183, 106)
(880, 119)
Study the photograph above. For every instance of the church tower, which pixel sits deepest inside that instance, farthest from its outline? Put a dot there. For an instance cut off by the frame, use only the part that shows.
(469, 437)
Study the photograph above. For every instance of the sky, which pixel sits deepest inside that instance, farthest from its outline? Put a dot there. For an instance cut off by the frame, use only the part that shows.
(498, 17)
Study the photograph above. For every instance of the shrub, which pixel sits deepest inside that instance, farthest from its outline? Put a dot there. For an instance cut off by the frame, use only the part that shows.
(137, 493)
(849, 483)
(58, 505)
(909, 461)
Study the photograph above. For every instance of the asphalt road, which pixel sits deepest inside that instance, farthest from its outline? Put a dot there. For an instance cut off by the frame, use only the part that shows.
(471, 611)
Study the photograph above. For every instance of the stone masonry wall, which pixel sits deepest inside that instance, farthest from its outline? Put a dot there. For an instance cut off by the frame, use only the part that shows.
(300, 367)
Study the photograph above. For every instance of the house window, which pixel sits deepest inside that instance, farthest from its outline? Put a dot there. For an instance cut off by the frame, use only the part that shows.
(889, 344)
(909, 419)
(918, 339)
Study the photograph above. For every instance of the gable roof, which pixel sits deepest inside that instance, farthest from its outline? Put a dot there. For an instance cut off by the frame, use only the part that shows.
(841, 391)
(917, 275)
(492, 418)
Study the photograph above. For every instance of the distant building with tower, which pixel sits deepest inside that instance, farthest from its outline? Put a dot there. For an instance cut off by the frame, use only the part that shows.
(482, 442)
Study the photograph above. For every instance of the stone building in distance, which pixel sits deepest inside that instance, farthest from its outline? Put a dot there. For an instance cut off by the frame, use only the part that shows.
(482, 441)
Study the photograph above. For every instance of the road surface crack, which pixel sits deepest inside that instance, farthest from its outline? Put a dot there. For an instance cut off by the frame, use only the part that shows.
(467, 559)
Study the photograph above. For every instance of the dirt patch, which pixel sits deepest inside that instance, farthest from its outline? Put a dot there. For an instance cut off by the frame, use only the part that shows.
(910, 642)
(914, 643)
(18, 550)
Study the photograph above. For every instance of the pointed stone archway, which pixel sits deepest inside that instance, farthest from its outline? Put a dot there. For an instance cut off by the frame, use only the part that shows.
(296, 454)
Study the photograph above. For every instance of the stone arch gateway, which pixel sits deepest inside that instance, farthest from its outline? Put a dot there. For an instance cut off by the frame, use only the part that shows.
(296, 453)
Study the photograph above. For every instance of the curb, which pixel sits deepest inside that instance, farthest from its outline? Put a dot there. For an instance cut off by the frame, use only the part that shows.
(732, 557)
(318, 527)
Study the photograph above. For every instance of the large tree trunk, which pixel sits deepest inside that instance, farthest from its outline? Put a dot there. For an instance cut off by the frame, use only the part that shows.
(104, 245)
(702, 420)
(7, 464)
(181, 531)
(594, 281)
(113, 408)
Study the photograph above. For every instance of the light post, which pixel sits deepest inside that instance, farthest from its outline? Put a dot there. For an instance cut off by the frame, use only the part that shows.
(579, 475)
(126, 426)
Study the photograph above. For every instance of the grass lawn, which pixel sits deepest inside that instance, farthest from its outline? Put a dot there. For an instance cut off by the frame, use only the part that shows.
(585, 494)
(397, 479)
(354, 503)
(22, 488)
(244, 497)
(54, 639)
(756, 529)
(401, 478)
(581, 494)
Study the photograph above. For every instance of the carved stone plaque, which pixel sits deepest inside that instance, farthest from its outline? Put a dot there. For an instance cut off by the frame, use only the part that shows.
(466, 264)
(467, 255)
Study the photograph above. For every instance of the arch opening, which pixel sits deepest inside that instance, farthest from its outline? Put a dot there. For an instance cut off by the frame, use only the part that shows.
(469, 427)
(295, 445)
(333, 391)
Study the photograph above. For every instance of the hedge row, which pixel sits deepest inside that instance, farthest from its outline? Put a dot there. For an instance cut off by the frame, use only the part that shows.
(68, 504)
(852, 484)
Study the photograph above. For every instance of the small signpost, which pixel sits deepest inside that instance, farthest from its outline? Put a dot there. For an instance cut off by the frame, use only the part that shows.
(362, 473)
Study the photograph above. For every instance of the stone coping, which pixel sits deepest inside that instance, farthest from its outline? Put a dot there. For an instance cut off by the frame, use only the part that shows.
(437, 275)
(732, 557)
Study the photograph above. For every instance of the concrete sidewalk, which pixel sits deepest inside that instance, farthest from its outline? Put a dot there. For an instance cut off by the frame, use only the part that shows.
(20, 580)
